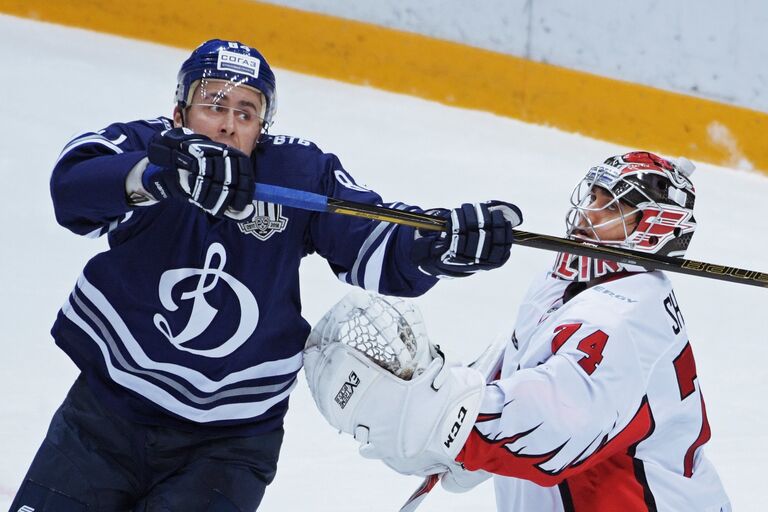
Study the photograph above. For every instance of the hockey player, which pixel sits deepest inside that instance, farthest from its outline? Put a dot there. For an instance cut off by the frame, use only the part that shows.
(594, 403)
(188, 330)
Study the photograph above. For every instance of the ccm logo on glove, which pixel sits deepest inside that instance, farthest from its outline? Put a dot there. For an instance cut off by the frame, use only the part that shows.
(456, 427)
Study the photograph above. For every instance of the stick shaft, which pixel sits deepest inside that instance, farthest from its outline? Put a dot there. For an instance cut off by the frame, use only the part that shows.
(320, 203)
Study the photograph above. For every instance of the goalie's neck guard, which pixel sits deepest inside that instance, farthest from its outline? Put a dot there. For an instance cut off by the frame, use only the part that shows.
(571, 267)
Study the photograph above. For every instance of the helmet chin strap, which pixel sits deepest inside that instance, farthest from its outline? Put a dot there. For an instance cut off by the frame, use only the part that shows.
(182, 115)
(187, 102)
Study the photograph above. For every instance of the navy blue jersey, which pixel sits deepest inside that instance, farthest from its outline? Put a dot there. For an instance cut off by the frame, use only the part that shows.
(190, 319)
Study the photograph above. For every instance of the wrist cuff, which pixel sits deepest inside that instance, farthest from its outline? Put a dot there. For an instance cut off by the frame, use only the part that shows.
(134, 188)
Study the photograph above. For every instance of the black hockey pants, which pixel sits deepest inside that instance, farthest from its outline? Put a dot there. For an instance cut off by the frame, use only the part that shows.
(92, 460)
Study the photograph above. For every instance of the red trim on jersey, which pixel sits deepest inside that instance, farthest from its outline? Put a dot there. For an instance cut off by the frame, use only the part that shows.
(704, 434)
(429, 482)
(492, 455)
(482, 417)
(612, 485)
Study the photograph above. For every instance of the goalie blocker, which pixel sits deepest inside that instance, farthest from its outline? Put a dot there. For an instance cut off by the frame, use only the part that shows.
(374, 374)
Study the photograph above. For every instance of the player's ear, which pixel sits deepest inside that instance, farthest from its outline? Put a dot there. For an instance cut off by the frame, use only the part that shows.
(177, 120)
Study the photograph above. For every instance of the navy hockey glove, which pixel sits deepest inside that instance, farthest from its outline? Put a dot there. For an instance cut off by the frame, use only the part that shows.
(216, 177)
(477, 237)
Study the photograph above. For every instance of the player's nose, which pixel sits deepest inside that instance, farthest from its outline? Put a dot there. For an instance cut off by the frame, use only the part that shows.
(588, 214)
(597, 217)
(227, 123)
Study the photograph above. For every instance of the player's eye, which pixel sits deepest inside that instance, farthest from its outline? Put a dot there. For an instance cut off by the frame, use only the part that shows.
(213, 108)
(244, 116)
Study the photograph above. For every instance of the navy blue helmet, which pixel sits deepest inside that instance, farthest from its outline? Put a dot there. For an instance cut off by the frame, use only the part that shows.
(232, 61)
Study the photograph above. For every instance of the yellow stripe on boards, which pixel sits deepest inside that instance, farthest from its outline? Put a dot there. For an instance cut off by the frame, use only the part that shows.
(622, 112)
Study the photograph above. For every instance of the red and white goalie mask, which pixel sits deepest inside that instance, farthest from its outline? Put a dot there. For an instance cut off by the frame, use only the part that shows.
(637, 201)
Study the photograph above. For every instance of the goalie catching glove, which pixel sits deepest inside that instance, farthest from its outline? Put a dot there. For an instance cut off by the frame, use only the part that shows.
(374, 374)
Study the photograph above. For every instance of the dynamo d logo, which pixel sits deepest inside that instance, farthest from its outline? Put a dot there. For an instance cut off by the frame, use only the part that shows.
(202, 314)
(238, 63)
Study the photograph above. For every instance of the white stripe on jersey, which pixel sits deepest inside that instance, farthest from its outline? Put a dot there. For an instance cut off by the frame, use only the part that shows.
(193, 377)
(375, 265)
(103, 230)
(90, 139)
(361, 260)
(117, 354)
(113, 146)
(96, 233)
(167, 401)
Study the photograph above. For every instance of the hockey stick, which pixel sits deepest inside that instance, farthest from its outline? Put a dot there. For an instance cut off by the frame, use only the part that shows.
(420, 493)
(320, 203)
(489, 364)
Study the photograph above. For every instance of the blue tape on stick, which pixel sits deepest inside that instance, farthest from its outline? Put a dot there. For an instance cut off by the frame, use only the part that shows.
(291, 197)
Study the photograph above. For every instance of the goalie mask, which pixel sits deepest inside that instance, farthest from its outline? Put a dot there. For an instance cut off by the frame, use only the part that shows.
(651, 200)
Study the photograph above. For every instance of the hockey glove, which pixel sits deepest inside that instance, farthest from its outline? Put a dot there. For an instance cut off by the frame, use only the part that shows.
(477, 237)
(416, 426)
(213, 176)
(374, 374)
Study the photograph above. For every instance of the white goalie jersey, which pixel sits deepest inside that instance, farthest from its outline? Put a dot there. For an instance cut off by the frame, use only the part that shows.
(598, 406)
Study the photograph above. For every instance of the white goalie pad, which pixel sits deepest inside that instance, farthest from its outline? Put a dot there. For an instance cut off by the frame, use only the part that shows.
(374, 374)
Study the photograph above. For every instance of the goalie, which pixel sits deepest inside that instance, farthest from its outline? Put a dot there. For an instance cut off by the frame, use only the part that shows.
(592, 403)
